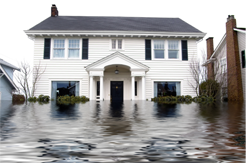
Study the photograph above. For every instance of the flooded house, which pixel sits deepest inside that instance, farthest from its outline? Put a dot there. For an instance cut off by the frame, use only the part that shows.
(114, 58)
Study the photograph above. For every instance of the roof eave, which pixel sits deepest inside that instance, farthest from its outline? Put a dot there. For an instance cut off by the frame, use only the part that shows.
(85, 33)
(239, 30)
(10, 80)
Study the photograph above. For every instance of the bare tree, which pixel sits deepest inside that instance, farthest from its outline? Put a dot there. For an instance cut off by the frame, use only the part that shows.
(23, 78)
(37, 72)
(198, 72)
(199, 75)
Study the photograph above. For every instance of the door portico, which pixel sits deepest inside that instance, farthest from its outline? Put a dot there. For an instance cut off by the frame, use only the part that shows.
(130, 71)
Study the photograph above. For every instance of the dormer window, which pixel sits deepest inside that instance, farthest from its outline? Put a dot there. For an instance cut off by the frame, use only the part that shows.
(116, 44)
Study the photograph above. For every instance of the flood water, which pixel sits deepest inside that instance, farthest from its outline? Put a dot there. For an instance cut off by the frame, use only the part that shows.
(139, 131)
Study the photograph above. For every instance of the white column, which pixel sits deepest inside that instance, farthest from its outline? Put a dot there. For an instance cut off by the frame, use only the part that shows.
(91, 87)
(143, 87)
(133, 88)
(101, 88)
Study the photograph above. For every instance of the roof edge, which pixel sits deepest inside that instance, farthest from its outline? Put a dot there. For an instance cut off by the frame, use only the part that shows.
(10, 80)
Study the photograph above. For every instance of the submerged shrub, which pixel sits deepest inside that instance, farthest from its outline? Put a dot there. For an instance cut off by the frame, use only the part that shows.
(209, 88)
(32, 99)
(71, 99)
(183, 99)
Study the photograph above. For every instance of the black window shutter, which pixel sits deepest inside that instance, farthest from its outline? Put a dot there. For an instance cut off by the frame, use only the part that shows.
(243, 58)
(184, 50)
(47, 48)
(85, 49)
(147, 49)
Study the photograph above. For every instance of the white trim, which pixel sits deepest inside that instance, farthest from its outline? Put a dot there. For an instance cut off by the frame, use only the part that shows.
(168, 80)
(239, 30)
(79, 33)
(106, 59)
(65, 79)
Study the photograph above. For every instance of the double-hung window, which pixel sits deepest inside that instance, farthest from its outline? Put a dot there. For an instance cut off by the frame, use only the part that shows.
(173, 49)
(116, 44)
(73, 48)
(159, 50)
(59, 48)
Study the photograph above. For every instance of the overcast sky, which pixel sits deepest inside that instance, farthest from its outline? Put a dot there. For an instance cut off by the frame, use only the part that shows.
(16, 16)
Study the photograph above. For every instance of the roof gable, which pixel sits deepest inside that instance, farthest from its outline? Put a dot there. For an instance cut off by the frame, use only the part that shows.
(2, 62)
(8, 77)
(117, 58)
(102, 23)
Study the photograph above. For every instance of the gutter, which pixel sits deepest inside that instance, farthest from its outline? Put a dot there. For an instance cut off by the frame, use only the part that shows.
(209, 61)
(239, 30)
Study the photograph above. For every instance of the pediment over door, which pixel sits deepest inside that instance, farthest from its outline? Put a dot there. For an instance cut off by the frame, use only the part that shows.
(137, 68)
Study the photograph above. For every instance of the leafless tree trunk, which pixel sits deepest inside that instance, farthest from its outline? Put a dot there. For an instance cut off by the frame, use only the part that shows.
(199, 75)
(23, 78)
(198, 72)
(37, 72)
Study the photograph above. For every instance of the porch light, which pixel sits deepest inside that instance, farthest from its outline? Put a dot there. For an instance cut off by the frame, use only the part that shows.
(116, 71)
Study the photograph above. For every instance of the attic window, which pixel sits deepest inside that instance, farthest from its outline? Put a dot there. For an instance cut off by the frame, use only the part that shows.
(116, 44)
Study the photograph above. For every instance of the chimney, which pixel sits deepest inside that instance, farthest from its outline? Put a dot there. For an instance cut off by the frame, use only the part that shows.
(210, 51)
(234, 78)
(54, 11)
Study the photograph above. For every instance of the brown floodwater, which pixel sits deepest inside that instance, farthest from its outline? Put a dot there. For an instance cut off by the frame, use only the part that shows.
(139, 131)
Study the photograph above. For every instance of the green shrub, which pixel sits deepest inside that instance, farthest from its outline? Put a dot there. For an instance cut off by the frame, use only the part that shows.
(32, 99)
(71, 99)
(209, 88)
(183, 99)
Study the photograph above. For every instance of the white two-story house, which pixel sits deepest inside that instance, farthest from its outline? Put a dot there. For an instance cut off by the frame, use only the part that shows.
(114, 58)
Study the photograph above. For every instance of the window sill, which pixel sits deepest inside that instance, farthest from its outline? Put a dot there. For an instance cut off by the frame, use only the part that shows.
(116, 50)
(161, 59)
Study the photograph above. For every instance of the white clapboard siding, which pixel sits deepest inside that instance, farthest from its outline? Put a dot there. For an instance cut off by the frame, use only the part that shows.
(99, 47)
(242, 43)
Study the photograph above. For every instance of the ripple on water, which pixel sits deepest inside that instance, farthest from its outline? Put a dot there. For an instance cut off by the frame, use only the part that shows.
(139, 131)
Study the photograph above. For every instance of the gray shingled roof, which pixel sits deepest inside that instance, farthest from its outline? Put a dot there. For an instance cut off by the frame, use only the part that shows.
(2, 62)
(101, 23)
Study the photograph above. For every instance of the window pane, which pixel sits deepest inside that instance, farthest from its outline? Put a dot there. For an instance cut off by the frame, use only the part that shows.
(62, 88)
(166, 88)
(119, 44)
(159, 53)
(158, 44)
(73, 53)
(173, 54)
(173, 44)
(59, 53)
(73, 43)
(59, 43)
(113, 44)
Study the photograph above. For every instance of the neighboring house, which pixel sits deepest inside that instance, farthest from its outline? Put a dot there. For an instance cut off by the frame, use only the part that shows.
(117, 58)
(229, 58)
(7, 85)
